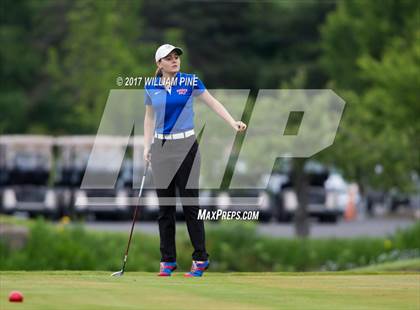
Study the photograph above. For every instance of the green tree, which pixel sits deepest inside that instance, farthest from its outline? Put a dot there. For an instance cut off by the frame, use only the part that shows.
(247, 45)
(100, 46)
(371, 55)
(393, 103)
(18, 67)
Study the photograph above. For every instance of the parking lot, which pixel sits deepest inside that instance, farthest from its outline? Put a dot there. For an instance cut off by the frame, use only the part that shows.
(43, 175)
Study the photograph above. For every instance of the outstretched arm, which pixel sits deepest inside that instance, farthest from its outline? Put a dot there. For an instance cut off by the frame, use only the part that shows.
(217, 107)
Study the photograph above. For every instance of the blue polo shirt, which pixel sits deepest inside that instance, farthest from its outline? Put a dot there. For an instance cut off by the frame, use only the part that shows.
(174, 111)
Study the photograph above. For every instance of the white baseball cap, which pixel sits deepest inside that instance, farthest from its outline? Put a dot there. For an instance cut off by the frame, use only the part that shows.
(165, 49)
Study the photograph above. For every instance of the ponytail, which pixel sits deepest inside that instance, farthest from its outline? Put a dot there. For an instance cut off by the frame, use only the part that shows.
(158, 72)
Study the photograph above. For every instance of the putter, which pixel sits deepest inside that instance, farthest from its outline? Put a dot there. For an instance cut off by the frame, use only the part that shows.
(121, 272)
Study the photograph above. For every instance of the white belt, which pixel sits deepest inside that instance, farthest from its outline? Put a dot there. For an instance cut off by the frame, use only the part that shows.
(175, 136)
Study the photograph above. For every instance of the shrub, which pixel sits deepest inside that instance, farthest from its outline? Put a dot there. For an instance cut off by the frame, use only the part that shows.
(232, 247)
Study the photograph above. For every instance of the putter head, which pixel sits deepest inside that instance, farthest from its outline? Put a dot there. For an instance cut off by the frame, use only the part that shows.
(118, 273)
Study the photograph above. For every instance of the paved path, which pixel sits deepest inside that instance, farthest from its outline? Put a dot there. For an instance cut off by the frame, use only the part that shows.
(363, 227)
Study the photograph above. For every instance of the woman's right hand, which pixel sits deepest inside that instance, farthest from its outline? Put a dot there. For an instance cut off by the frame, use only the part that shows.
(238, 126)
(147, 155)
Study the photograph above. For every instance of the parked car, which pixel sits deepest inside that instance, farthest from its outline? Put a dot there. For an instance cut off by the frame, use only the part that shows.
(73, 155)
(375, 200)
(26, 164)
(3, 172)
(327, 194)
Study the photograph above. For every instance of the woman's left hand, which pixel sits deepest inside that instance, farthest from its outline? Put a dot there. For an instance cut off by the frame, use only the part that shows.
(238, 125)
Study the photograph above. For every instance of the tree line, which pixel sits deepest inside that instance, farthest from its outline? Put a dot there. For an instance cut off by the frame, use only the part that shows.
(59, 59)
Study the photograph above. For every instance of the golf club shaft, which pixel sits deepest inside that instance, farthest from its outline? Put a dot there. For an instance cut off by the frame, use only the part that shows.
(135, 214)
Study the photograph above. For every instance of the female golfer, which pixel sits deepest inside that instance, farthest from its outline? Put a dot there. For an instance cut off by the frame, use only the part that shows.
(172, 149)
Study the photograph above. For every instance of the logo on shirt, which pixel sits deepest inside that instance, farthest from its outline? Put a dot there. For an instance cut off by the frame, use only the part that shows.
(182, 91)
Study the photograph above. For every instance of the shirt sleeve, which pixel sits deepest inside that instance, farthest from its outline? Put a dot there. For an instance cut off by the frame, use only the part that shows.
(147, 100)
(199, 87)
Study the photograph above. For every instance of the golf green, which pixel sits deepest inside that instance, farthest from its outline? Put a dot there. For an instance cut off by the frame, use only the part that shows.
(97, 290)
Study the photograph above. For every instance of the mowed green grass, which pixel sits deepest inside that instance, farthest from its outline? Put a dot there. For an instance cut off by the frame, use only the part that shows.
(138, 290)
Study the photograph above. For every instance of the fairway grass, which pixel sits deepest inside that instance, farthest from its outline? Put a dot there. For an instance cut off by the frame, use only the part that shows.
(138, 290)
(412, 265)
